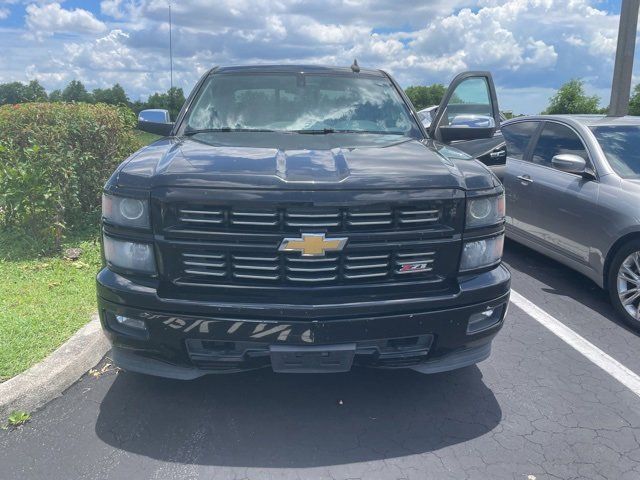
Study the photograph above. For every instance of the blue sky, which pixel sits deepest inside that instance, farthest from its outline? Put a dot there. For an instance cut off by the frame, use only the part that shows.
(531, 46)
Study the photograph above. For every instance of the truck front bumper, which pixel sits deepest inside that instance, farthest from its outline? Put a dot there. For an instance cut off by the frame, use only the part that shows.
(186, 339)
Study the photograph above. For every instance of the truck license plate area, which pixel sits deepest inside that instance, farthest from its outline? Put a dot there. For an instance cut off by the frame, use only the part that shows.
(313, 359)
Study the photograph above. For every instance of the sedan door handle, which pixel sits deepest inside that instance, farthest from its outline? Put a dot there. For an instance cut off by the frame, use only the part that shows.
(525, 179)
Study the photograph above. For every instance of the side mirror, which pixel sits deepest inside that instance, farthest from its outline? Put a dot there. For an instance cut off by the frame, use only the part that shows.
(156, 121)
(473, 121)
(570, 163)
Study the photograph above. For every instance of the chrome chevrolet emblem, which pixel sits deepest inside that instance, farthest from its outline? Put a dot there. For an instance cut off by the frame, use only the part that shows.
(313, 244)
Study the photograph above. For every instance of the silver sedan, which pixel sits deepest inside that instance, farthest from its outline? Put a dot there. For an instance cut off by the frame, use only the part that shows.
(573, 193)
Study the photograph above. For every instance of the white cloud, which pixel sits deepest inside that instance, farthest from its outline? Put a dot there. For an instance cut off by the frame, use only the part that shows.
(531, 46)
(112, 8)
(108, 53)
(574, 40)
(50, 18)
(514, 33)
(332, 33)
(540, 54)
(603, 44)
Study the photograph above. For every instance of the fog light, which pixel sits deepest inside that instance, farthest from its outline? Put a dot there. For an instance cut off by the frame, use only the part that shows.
(483, 320)
(131, 322)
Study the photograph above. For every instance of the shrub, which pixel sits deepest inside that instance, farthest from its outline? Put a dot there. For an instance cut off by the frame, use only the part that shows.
(54, 160)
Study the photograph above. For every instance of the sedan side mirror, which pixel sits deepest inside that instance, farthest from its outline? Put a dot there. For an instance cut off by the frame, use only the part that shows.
(156, 121)
(570, 163)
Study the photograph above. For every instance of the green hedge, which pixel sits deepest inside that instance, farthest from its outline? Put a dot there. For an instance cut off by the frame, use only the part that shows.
(54, 160)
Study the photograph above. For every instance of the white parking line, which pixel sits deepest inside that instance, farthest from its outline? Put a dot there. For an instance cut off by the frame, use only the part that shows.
(609, 364)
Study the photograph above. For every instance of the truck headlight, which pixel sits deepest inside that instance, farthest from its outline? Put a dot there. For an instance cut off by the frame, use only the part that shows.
(125, 211)
(485, 211)
(133, 256)
(481, 253)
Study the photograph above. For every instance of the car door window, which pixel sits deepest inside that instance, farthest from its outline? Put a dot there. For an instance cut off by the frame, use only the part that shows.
(470, 105)
(517, 137)
(554, 140)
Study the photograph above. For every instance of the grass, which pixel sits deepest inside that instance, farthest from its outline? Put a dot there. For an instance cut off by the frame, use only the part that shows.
(44, 299)
(147, 138)
(18, 418)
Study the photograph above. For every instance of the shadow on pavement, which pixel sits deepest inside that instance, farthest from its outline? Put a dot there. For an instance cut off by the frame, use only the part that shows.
(261, 419)
(560, 280)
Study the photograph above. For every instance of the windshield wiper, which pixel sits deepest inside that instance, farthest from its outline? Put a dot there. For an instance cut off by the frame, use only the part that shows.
(317, 131)
(324, 131)
(226, 129)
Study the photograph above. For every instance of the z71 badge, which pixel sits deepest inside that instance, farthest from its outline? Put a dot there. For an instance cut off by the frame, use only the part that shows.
(414, 267)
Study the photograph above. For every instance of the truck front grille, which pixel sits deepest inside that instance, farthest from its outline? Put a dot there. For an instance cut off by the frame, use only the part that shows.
(232, 239)
(207, 267)
(203, 218)
(202, 264)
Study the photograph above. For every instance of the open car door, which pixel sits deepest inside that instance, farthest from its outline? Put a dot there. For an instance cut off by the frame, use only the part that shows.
(469, 109)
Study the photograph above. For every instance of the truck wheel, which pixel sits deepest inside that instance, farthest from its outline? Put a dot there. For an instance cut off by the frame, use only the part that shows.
(624, 283)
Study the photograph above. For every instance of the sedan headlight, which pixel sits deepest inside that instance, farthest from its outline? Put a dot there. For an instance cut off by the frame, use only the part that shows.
(485, 211)
(132, 256)
(481, 253)
(125, 211)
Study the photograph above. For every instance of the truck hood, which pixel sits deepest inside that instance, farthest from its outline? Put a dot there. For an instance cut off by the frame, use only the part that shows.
(297, 161)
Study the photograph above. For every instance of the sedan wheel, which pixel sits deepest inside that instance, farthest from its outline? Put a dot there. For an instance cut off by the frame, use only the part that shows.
(629, 285)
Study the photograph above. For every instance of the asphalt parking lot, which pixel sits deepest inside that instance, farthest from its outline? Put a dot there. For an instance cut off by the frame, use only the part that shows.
(536, 409)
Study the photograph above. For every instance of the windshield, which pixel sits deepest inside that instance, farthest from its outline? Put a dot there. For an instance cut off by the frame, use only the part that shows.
(621, 146)
(302, 103)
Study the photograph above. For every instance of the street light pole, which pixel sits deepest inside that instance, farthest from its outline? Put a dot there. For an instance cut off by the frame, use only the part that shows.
(171, 59)
(621, 84)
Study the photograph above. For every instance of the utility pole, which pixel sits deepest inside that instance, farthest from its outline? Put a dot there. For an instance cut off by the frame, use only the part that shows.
(171, 59)
(621, 85)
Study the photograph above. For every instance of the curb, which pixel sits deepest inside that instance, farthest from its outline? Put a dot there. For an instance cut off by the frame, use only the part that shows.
(48, 379)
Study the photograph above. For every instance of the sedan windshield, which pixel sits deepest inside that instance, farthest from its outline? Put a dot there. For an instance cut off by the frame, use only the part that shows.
(621, 146)
(301, 103)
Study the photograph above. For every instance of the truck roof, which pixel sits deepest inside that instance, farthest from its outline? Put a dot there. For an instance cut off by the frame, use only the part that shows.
(318, 69)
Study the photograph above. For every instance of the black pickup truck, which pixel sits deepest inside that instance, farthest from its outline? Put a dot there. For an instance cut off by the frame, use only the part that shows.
(302, 218)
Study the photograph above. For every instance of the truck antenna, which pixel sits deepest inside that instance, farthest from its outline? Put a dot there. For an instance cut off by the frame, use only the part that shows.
(355, 68)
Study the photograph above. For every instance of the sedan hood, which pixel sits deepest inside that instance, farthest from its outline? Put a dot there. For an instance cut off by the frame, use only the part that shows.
(301, 161)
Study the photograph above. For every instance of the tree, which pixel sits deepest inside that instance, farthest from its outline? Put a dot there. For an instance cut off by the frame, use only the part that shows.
(172, 100)
(425, 96)
(11, 93)
(176, 100)
(34, 92)
(571, 99)
(76, 92)
(16, 92)
(634, 102)
(137, 106)
(55, 96)
(112, 96)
